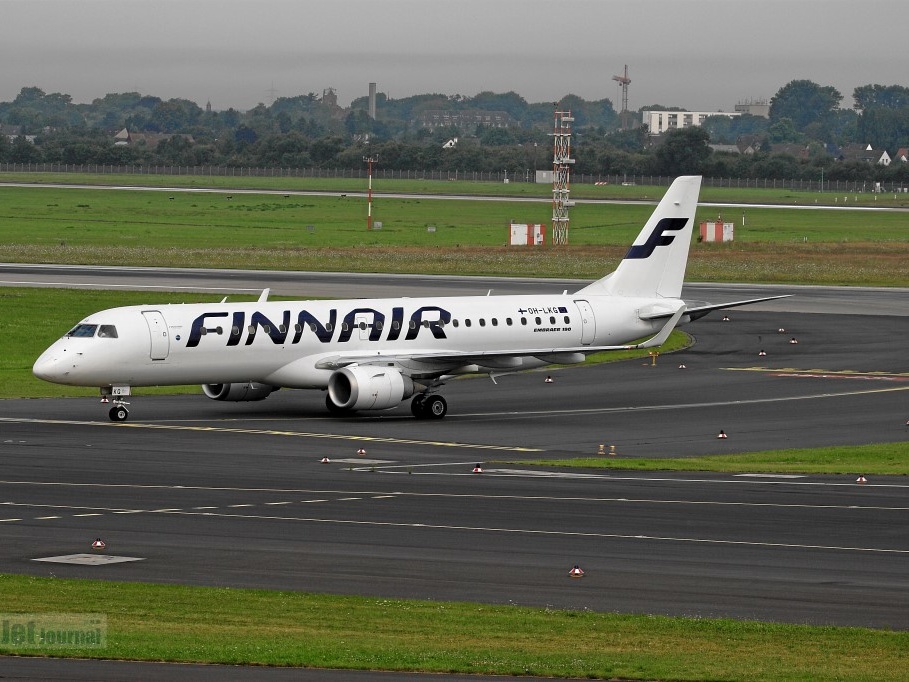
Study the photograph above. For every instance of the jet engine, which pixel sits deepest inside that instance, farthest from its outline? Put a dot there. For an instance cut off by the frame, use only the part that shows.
(237, 392)
(369, 388)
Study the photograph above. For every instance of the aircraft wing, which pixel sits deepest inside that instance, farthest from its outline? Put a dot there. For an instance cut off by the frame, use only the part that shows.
(456, 358)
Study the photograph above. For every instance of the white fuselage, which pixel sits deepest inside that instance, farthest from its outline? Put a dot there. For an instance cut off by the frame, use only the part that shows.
(298, 344)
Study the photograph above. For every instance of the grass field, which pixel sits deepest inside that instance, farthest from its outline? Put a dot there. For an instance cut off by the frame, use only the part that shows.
(177, 623)
(882, 458)
(54, 225)
(771, 194)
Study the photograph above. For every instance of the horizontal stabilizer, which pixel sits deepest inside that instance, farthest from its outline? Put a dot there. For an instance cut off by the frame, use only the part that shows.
(699, 311)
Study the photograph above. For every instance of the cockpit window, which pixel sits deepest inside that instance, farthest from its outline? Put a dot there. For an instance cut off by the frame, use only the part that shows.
(104, 331)
(83, 330)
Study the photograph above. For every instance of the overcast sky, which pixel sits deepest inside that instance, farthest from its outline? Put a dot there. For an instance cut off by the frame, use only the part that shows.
(696, 54)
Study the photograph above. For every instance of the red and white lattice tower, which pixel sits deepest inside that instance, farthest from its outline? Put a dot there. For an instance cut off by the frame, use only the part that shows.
(561, 163)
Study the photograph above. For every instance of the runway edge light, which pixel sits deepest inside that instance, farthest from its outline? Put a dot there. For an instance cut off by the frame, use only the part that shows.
(99, 544)
(576, 572)
(478, 469)
(722, 434)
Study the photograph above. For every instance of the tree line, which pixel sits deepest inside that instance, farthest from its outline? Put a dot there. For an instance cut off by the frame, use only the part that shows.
(309, 131)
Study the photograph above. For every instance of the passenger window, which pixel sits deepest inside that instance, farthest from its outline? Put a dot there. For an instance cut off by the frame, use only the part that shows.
(508, 321)
(539, 321)
(552, 320)
(567, 320)
(495, 322)
(524, 321)
(482, 322)
(235, 330)
(107, 331)
(455, 322)
(467, 322)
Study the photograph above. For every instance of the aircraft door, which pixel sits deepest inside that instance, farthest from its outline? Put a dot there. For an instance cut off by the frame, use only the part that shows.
(588, 323)
(157, 330)
(363, 323)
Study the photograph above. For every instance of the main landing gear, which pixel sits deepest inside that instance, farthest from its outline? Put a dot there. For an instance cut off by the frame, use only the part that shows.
(429, 407)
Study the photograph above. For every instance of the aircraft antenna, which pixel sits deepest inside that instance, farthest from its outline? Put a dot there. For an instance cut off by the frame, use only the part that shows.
(624, 82)
(561, 163)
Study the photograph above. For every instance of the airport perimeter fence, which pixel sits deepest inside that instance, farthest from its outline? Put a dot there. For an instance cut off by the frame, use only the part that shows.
(528, 176)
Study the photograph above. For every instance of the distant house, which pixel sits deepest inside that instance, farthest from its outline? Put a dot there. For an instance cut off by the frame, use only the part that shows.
(659, 122)
(125, 138)
(799, 151)
(902, 155)
(749, 144)
(864, 152)
(468, 119)
(727, 148)
(12, 132)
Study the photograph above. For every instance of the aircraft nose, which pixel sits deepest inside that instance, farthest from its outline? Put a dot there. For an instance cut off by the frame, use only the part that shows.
(49, 366)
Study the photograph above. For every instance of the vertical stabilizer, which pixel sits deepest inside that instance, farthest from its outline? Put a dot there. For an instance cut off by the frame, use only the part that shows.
(654, 266)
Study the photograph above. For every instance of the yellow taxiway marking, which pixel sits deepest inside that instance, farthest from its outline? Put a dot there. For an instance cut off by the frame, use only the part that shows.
(824, 373)
(271, 432)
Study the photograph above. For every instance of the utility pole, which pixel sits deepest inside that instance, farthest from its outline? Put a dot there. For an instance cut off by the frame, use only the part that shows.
(370, 160)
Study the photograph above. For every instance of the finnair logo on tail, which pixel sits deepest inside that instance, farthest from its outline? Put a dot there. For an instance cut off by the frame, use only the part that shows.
(657, 237)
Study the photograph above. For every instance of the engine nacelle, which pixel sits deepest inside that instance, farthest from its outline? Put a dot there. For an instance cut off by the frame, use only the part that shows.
(368, 388)
(238, 392)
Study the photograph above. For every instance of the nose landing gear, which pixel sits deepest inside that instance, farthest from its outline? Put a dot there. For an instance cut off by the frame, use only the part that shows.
(118, 413)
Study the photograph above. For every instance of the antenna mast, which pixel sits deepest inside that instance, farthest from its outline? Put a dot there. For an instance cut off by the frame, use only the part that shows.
(624, 81)
(561, 163)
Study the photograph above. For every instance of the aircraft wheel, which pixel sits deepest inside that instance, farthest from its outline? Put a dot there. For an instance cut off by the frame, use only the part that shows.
(435, 407)
(418, 407)
(118, 413)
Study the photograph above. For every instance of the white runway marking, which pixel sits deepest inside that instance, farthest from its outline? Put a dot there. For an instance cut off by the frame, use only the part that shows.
(555, 533)
(681, 406)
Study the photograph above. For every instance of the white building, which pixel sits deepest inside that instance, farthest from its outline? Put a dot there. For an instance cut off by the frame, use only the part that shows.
(659, 122)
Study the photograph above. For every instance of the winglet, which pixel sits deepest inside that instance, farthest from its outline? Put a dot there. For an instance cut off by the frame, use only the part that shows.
(664, 333)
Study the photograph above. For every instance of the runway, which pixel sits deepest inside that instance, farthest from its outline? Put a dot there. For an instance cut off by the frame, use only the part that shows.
(209, 493)
(807, 299)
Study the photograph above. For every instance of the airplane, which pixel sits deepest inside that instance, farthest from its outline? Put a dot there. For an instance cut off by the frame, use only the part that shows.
(373, 354)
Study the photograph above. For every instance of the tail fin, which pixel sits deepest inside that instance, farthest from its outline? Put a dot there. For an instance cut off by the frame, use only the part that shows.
(655, 264)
